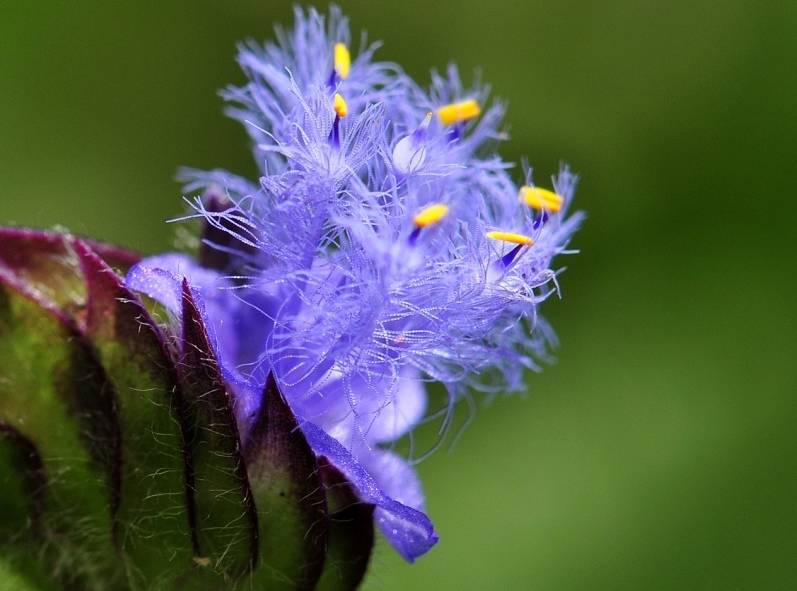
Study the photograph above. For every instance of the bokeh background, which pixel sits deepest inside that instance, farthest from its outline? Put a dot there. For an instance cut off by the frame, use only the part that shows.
(660, 451)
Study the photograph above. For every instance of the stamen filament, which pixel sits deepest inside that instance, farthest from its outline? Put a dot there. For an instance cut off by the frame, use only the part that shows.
(341, 110)
(420, 132)
(509, 257)
(522, 243)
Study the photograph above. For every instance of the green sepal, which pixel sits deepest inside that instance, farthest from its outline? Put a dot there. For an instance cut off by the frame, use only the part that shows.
(224, 515)
(154, 504)
(11, 579)
(142, 481)
(54, 393)
(292, 509)
(22, 498)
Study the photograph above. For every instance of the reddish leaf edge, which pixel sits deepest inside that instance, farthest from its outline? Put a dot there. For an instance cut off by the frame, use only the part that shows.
(112, 254)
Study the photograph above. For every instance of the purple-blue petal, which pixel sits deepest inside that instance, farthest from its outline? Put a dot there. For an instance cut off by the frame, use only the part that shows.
(376, 410)
(408, 530)
(160, 278)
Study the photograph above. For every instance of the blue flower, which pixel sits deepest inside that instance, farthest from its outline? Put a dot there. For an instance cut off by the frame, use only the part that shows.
(385, 245)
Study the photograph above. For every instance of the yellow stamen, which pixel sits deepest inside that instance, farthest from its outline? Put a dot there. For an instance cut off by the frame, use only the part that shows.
(511, 237)
(457, 112)
(542, 199)
(342, 60)
(430, 215)
(341, 108)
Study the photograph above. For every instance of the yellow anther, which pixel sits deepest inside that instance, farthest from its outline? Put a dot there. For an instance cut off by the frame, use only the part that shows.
(342, 60)
(457, 112)
(430, 215)
(511, 237)
(542, 199)
(340, 106)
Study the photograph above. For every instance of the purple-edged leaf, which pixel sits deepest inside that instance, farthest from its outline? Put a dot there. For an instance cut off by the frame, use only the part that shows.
(53, 392)
(114, 256)
(225, 519)
(351, 532)
(47, 263)
(152, 517)
(290, 499)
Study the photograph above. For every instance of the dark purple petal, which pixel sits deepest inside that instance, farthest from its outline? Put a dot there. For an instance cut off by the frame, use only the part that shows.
(408, 530)
(219, 248)
(351, 532)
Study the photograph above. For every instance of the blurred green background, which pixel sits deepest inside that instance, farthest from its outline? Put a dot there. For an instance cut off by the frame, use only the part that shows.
(660, 451)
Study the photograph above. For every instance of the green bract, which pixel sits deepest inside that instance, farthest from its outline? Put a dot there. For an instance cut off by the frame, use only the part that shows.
(121, 465)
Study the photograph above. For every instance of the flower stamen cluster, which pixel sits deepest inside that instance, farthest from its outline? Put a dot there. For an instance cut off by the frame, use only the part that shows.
(384, 245)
